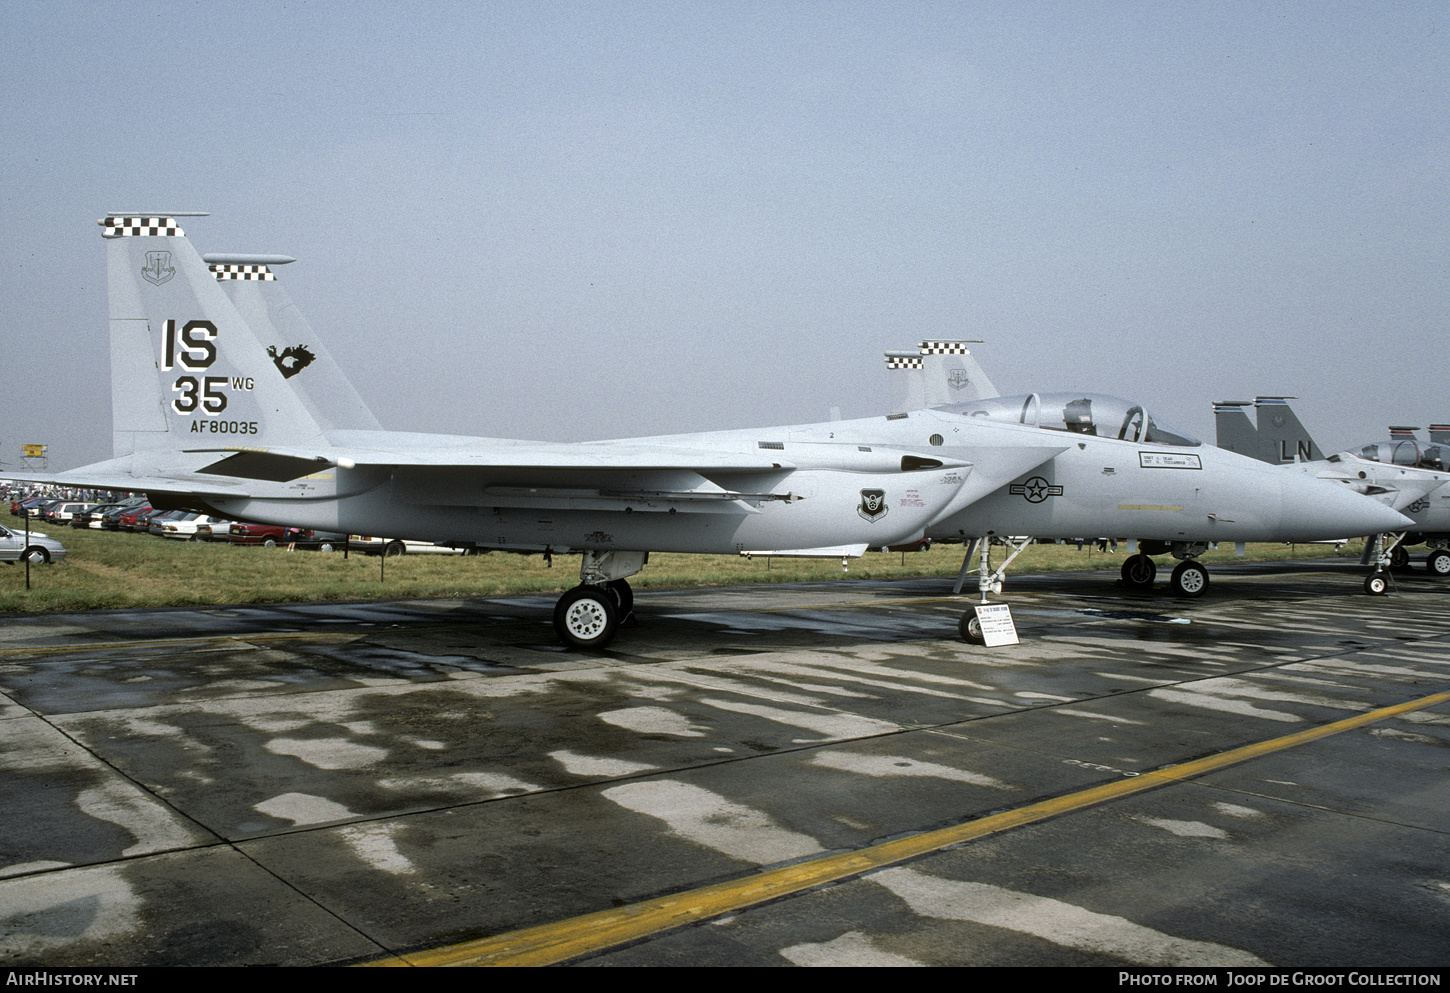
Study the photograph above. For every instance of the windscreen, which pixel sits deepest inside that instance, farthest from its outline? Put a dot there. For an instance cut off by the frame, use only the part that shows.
(1406, 452)
(1091, 414)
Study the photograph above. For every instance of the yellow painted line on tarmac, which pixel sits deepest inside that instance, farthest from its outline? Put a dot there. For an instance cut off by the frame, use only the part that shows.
(552, 943)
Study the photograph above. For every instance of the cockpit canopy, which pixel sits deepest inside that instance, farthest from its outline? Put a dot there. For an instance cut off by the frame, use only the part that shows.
(1092, 414)
(1406, 452)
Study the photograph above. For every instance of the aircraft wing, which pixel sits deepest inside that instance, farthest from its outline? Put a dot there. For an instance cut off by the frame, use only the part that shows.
(281, 463)
(581, 476)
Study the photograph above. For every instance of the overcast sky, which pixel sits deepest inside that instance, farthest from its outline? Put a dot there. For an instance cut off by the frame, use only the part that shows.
(584, 220)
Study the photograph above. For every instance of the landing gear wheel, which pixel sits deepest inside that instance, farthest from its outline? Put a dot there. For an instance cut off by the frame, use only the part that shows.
(623, 597)
(586, 617)
(1399, 558)
(1375, 584)
(1189, 580)
(1139, 572)
(970, 628)
(1438, 562)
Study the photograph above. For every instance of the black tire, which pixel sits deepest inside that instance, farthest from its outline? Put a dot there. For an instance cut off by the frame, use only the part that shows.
(326, 546)
(1189, 580)
(394, 548)
(623, 597)
(1139, 571)
(1375, 584)
(269, 542)
(1438, 562)
(37, 555)
(1399, 558)
(586, 617)
(970, 627)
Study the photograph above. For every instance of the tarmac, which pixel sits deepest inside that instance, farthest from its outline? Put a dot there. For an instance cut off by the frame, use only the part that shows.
(795, 774)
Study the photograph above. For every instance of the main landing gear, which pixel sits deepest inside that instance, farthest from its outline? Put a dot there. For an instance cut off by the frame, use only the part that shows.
(1438, 562)
(589, 615)
(1188, 580)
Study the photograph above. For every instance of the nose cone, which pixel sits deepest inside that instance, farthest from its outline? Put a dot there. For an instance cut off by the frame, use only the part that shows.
(1322, 509)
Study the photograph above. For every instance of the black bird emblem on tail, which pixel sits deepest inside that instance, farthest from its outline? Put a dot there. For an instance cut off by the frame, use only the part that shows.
(292, 359)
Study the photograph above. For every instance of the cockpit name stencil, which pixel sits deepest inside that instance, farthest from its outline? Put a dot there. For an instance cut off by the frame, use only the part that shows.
(1169, 460)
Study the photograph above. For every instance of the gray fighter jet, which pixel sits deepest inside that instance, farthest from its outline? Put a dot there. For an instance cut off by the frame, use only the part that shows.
(1101, 418)
(251, 421)
(1402, 472)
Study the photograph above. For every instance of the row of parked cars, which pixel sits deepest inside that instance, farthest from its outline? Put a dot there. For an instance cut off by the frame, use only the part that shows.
(136, 515)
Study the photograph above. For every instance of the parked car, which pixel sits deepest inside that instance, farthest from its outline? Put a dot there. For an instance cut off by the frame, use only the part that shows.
(398, 546)
(269, 535)
(186, 527)
(92, 518)
(122, 518)
(96, 516)
(36, 507)
(157, 522)
(41, 548)
(135, 520)
(323, 541)
(65, 511)
(214, 530)
(19, 505)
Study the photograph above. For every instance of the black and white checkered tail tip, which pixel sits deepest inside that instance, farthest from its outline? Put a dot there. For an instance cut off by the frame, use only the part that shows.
(945, 347)
(898, 360)
(121, 227)
(241, 272)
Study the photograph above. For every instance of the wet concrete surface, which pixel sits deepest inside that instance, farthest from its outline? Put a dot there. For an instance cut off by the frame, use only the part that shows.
(335, 783)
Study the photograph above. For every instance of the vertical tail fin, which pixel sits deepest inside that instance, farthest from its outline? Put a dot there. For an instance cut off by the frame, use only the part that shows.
(952, 375)
(186, 370)
(939, 373)
(253, 288)
(1287, 440)
(910, 384)
(1233, 431)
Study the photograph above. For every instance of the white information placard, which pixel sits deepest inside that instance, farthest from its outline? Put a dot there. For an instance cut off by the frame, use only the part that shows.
(997, 626)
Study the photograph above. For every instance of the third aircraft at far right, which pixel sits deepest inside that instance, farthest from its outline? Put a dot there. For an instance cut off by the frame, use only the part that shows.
(1403, 472)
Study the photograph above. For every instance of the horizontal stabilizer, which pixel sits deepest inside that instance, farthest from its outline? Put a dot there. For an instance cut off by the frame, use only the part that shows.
(266, 465)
